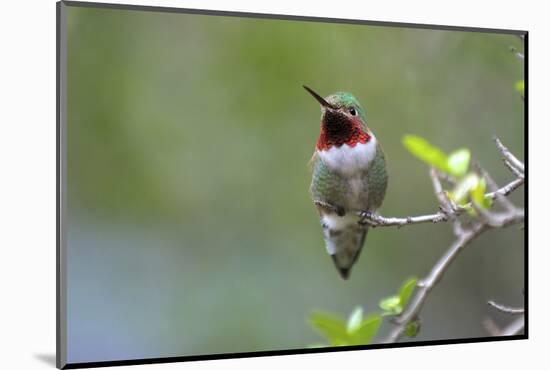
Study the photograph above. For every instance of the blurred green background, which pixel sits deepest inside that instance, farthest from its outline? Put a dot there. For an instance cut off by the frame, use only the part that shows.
(191, 228)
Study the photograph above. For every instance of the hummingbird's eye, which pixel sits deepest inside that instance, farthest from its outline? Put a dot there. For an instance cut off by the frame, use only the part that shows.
(352, 111)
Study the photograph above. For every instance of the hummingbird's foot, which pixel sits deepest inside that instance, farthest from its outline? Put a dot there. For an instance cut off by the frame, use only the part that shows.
(368, 218)
(340, 211)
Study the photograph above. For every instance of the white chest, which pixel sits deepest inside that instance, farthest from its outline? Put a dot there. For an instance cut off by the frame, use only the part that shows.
(349, 160)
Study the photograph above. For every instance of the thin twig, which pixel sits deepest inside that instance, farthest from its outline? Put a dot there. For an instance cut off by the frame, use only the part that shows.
(517, 53)
(446, 204)
(447, 178)
(442, 198)
(494, 187)
(506, 309)
(375, 220)
(486, 216)
(506, 189)
(509, 156)
(512, 169)
(497, 220)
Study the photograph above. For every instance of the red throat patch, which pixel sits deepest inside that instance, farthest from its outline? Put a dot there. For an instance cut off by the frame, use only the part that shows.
(350, 133)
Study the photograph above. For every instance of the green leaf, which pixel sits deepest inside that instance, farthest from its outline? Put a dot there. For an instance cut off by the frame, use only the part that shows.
(520, 87)
(368, 329)
(462, 190)
(355, 319)
(458, 162)
(478, 195)
(406, 291)
(391, 305)
(394, 305)
(331, 327)
(412, 328)
(423, 150)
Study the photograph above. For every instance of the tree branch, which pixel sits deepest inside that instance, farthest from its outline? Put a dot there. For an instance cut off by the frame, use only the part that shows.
(376, 220)
(506, 309)
(486, 220)
(508, 156)
(507, 204)
(506, 189)
(512, 169)
(426, 285)
(449, 211)
(439, 269)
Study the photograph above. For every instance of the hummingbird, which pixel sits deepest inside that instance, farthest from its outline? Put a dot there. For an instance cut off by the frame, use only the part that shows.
(349, 177)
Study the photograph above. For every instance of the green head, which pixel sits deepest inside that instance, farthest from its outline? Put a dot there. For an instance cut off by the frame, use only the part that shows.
(343, 120)
(347, 103)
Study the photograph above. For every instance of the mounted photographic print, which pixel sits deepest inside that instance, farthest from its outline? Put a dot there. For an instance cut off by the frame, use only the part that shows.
(234, 184)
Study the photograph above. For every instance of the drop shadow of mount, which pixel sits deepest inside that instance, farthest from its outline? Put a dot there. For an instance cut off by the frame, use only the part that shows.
(47, 358)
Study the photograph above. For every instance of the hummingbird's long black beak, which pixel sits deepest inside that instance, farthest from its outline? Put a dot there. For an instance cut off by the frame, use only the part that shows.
(322, 101)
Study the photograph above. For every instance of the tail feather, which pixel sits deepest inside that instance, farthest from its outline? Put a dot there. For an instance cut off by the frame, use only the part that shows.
(344, 272)
(344, 239)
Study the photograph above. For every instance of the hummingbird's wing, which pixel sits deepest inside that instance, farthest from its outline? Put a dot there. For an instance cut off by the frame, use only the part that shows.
(313, 160)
